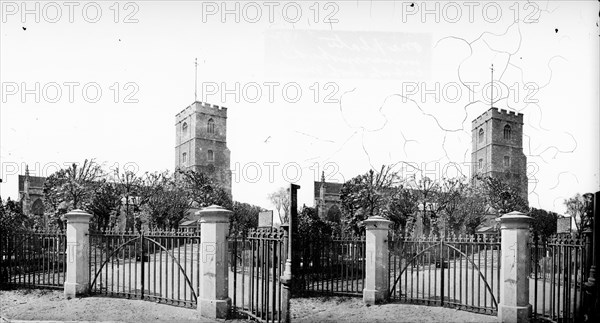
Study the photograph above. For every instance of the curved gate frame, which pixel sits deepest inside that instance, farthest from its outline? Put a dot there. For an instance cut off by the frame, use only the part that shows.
(441, 245)
(141, 238)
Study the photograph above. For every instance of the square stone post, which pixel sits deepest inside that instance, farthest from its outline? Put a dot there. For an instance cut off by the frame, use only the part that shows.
(77, 279)
(514, 268)
(213, 297)
(377, 275)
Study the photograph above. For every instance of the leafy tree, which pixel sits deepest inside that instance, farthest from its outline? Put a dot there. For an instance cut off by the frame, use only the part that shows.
(426, 192)
(501, 196)
(367, 195)
(203, 190)
(543, 223)
(12, 217)
(163, 202)
(473, 209)
(129, 185)
(450, 200)
(105, 202)
(310, 226)
(281, 201)
(54, 201)
(245, 217)
(401, 207)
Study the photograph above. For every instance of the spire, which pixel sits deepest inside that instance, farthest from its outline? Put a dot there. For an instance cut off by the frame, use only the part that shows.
(492, 88)
(323, 176)
(196, 80)
(26, 170)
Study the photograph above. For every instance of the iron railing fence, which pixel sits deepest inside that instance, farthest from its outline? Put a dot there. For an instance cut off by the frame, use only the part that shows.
(33, 259)
(461, 272)
(333, 265)
(161, 266)
(256, 264)
(558, 271)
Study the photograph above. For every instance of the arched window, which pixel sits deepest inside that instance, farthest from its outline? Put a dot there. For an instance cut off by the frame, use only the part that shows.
(506, 161)
(480, 134)
(334, 214)
(507, 132)
(38, 207)
(184, 158)
(210, 126)
(211, 155)
(480, 164)
(184, 128)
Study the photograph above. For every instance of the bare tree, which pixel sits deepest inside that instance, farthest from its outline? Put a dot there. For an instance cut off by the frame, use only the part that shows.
(281, 201)
(576, 208)
(77, 186)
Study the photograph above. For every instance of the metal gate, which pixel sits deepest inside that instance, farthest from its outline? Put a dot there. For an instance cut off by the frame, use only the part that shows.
(161, 266)
(331, 266)
(457, 272)
(33, 259)
(257, 261)
(558, 273)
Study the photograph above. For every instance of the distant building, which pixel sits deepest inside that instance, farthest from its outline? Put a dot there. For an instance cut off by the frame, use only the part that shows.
(498, 148)
(31, 193)
(201, 142)
(327, 200)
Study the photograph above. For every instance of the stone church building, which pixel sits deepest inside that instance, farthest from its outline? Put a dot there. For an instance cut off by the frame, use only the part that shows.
(201, 141)
(327, 200)
(31, 193)
(497, 138)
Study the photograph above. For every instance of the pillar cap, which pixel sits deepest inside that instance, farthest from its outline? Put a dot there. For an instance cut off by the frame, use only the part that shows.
(377, 222)
(214, 214)
(514, 220)
(78, 216)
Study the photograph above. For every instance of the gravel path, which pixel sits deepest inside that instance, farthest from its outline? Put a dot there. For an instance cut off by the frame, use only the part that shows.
(50, 305)
(345, 309)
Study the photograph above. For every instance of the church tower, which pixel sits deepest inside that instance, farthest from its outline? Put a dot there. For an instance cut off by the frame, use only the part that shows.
(498, 148)
(201, 142)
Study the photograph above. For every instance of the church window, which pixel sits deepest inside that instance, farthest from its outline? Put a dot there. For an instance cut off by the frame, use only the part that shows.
(480, 163)
(210, 126)
(184, 128)
(480, 135)
(184, 158)
(506, 161)
(507, 132)
(211, 155)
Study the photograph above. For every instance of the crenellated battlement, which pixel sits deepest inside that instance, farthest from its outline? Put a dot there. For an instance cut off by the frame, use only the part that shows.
(201, 107)
(495, 113)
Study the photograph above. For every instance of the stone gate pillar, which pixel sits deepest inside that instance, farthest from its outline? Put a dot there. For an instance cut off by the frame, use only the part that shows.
(77, 278)
(213, 296)
(377, 276)
(514, 268)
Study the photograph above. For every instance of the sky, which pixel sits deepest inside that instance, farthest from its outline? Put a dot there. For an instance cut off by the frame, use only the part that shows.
(340, 87)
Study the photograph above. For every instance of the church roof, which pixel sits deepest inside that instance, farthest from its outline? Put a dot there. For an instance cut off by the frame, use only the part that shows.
(330, 188)
(34, 182)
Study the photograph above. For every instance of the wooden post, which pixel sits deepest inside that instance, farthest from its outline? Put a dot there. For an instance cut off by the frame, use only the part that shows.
(592, 296)
(291, 261)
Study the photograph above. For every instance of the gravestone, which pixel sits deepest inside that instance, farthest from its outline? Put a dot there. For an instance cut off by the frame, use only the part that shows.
(563, 225)
(265, 219)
